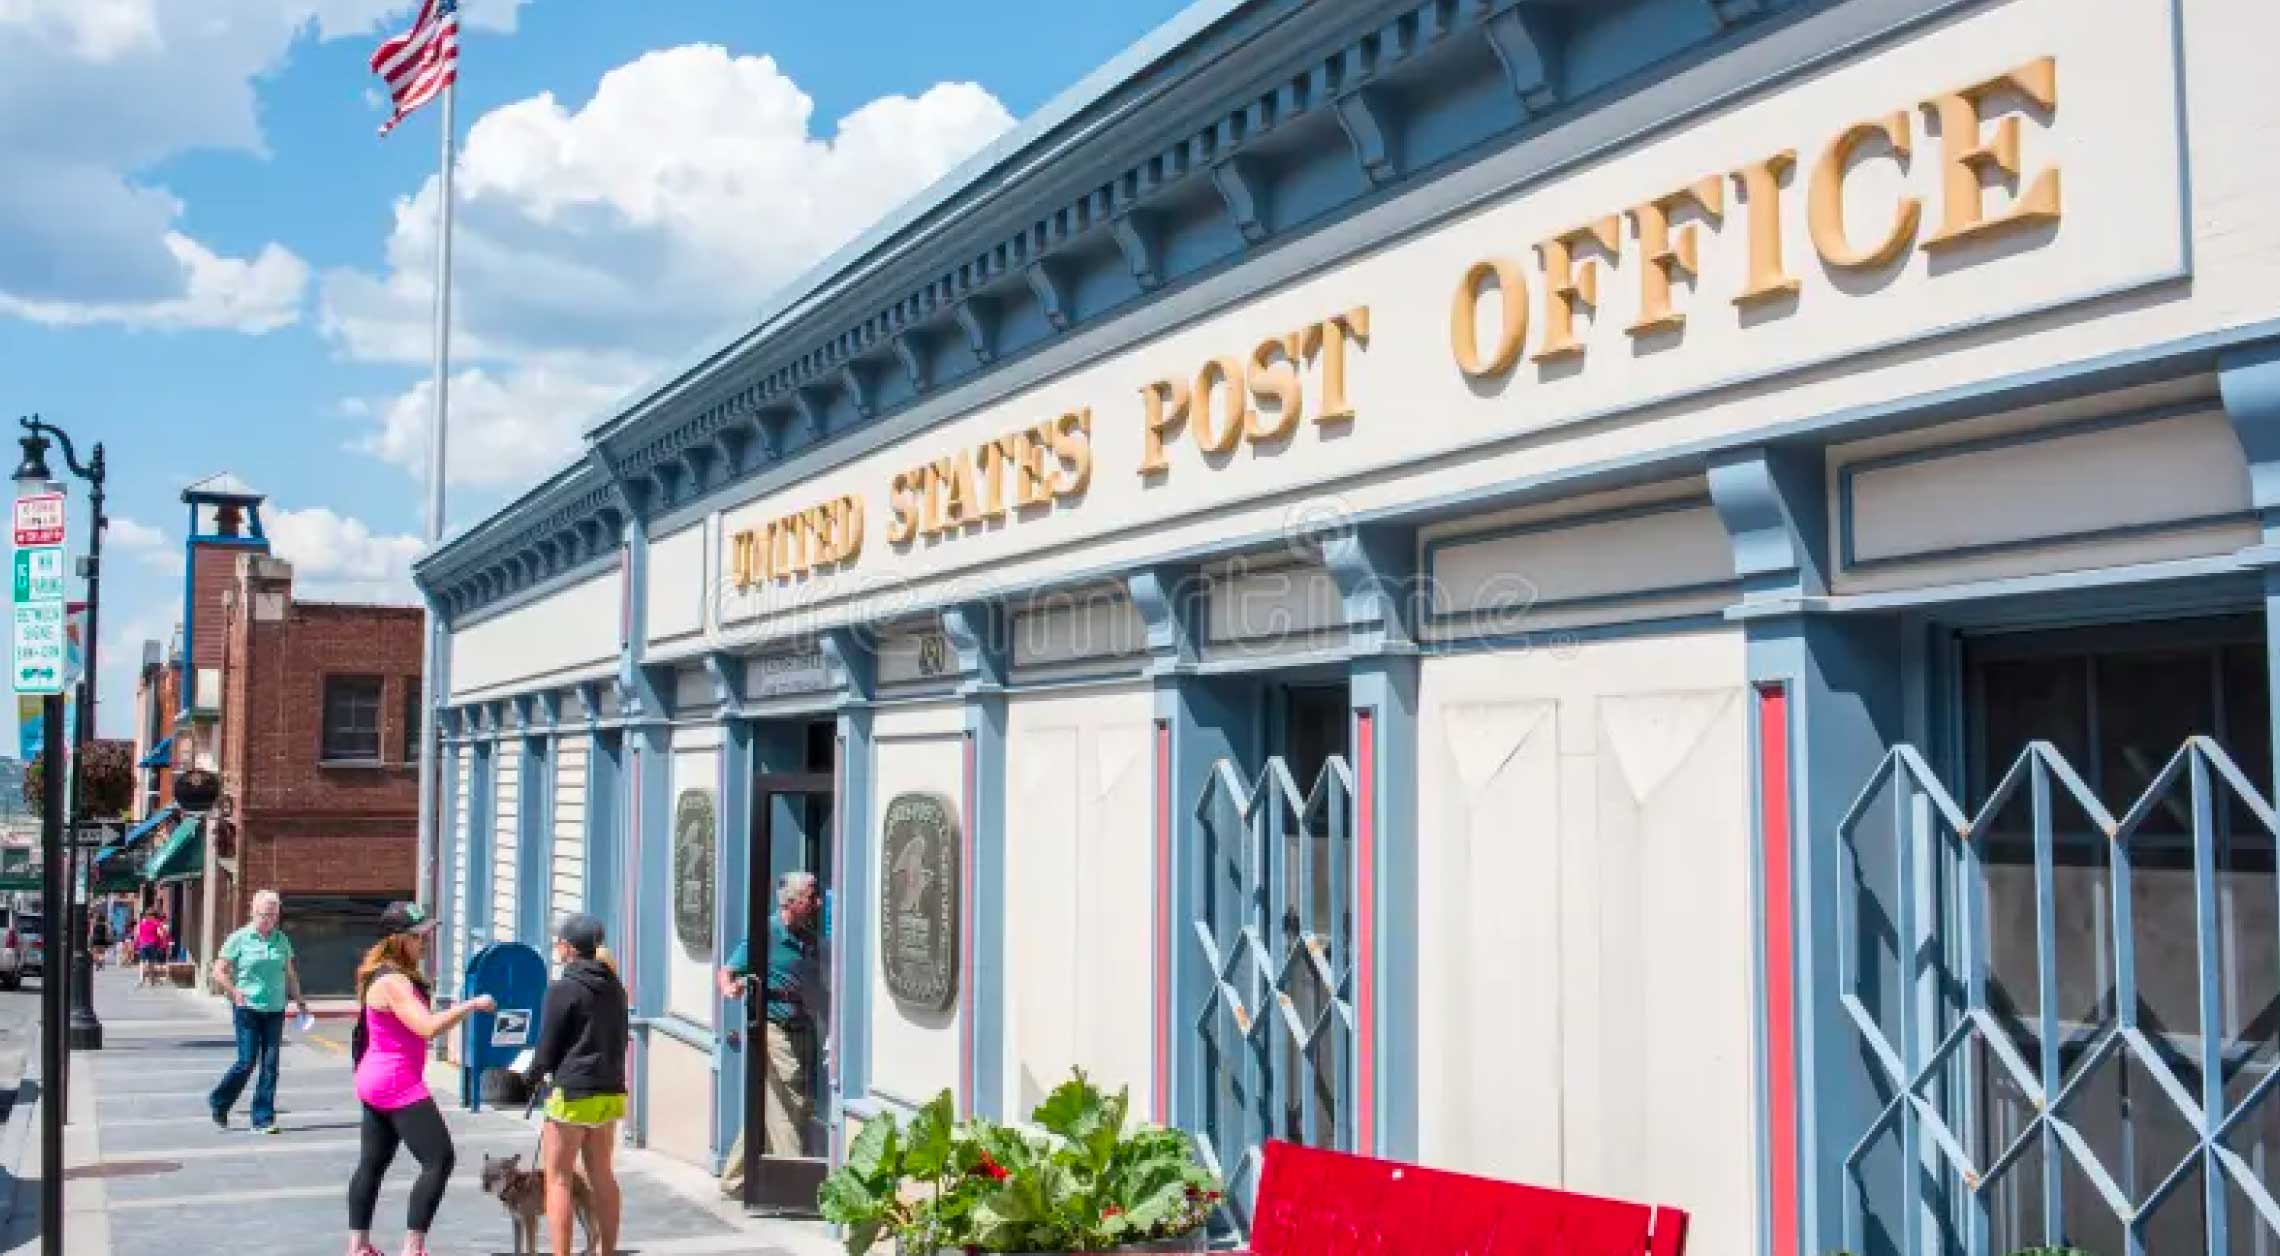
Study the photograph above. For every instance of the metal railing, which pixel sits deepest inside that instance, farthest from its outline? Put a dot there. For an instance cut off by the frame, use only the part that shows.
(2004, 1125)
(1274, 926)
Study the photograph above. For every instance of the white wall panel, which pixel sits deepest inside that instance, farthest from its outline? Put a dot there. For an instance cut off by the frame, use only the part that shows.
(918, 749)
(1586, 994)
(1268, 605)
(680, 1107)
(1082, 624)
(677, 584)
(506, 841)
(574, 629)
(569, 825)
(1080, 864)
(1640, 550)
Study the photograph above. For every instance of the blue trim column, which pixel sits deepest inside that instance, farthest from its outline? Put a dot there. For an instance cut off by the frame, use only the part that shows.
(981, 633)
(732, 875)
(480, 796)
(1196, 726)
(2248, 380)
(1381, 599)
(645, 701)
(848, 656)
(1843, 688)
(534, 818)
(448, 803)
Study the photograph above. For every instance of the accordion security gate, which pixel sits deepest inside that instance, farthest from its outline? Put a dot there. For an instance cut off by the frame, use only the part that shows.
(1274, 1026)
(1938, 1170)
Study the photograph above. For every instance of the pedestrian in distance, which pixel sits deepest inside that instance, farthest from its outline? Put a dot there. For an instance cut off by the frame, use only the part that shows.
(581, 1048)
(394, 1024)
(151, 943)
(99, 938)
(255, 972)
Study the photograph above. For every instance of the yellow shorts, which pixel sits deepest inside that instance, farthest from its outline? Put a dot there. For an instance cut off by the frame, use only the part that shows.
(591, 1111)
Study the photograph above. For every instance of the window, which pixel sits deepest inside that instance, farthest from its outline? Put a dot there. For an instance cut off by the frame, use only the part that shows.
(411, 720)
(352, 719)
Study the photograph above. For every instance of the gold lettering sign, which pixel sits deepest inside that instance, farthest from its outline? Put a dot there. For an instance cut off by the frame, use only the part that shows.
(1254, 398)
(1027, 470)
(1667, 230)
(795, 545)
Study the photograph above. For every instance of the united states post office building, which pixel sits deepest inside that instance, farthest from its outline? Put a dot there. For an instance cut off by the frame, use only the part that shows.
(1670, 598)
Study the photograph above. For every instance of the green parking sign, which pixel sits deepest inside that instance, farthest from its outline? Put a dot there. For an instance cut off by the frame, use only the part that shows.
(39, 573)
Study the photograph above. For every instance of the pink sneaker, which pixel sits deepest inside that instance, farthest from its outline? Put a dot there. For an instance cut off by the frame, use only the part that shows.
(364, 1249)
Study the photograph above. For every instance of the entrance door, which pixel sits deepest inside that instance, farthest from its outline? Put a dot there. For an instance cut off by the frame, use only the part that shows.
(788, 1016)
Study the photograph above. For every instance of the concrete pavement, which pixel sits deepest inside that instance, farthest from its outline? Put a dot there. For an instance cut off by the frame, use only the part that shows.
(149, 1175)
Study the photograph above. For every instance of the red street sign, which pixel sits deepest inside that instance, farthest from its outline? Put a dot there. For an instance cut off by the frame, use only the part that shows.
(39, 519)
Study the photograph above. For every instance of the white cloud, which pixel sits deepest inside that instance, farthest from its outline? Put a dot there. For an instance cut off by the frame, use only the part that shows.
(132, 535)
(507, 427)
(340, 559)
(593, 245)
(97, 91)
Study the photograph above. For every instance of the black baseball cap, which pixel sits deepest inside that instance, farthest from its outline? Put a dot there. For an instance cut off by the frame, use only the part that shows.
(405, 918)
(582, 932)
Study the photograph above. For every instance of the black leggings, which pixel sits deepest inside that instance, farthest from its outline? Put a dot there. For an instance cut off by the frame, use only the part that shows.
(419, 1127)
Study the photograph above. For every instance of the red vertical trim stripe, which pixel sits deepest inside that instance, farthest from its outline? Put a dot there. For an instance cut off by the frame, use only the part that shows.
(1162, 1099)
(1365, 930)
(966, 935)
(1779, 976)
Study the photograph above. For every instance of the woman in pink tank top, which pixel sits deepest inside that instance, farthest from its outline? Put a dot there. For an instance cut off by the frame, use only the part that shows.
(394, 1024)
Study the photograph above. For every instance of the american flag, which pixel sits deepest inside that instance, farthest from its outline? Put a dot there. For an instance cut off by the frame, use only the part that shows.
(420, 63)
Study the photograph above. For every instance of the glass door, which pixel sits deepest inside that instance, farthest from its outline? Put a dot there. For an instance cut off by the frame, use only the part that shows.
(788, 1016)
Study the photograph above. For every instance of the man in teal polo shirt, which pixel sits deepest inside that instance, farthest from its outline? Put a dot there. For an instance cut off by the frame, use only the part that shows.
(793, 1001)
(254, 971)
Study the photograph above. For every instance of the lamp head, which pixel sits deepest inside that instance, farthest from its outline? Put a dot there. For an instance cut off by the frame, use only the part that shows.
(32, 473)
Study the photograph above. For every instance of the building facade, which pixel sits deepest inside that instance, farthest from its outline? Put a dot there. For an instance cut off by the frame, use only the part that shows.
(1668, 598)
(305, 711)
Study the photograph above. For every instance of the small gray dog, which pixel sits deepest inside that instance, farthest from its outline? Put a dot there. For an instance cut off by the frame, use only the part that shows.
(522, 1192)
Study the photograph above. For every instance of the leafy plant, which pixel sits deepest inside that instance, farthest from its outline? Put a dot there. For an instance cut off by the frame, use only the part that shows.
(1079, 1181)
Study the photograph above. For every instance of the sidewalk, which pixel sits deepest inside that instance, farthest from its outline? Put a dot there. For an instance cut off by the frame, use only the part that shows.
(149, 1175)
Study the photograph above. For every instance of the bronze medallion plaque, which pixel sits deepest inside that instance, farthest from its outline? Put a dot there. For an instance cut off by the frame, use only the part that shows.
(918, 894)
(693, 839)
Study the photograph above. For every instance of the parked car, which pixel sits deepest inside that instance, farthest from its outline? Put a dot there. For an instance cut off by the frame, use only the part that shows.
(22, 946)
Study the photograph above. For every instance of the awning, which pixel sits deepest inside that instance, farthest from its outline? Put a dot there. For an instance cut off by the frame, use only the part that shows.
(136, 834)
(183, 858)
(161, 755)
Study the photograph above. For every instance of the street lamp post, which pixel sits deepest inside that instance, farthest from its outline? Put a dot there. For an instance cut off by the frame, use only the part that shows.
(86, 1027)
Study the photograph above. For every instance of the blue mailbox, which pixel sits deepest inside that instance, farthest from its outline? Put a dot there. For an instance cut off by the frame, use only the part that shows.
(515, 976)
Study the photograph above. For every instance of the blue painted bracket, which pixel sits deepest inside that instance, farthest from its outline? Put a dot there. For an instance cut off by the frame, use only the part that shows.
(2248, 380)
(1137, 236)
(1774, 505)
(1170, 602)
(1362, 114)
(549, 709)
(1239, 186)
(590, 700)
(1051, 298)
(726, 671)
(857, 384)
(911, 352)
(1523, 43)
(980, 325)
(811, 413)
(1375, 569)
(850, 662)
(981, 634)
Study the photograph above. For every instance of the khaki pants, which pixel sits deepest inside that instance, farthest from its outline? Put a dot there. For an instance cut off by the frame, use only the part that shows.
(786, 1103)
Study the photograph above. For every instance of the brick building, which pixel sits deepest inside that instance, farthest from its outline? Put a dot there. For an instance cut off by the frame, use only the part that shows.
(305, 710)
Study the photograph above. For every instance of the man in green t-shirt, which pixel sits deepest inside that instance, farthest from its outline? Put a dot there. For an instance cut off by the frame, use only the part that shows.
(254, 971)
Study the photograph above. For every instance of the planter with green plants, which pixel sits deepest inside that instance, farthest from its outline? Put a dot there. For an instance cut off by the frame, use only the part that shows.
(1076, 1180)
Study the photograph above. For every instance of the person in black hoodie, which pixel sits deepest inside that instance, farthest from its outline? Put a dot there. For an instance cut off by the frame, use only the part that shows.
(581, 1045)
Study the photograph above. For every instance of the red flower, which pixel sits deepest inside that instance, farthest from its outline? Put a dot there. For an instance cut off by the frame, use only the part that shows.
(1111, 1211)
(990, 1168)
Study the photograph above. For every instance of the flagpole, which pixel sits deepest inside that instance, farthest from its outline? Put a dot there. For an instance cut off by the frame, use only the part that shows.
(431, 744)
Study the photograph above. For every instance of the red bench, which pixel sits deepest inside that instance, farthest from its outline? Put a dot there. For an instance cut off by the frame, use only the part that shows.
(1326, 1203)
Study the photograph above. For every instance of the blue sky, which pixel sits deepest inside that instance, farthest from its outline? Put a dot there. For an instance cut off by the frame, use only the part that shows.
(209, 262)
